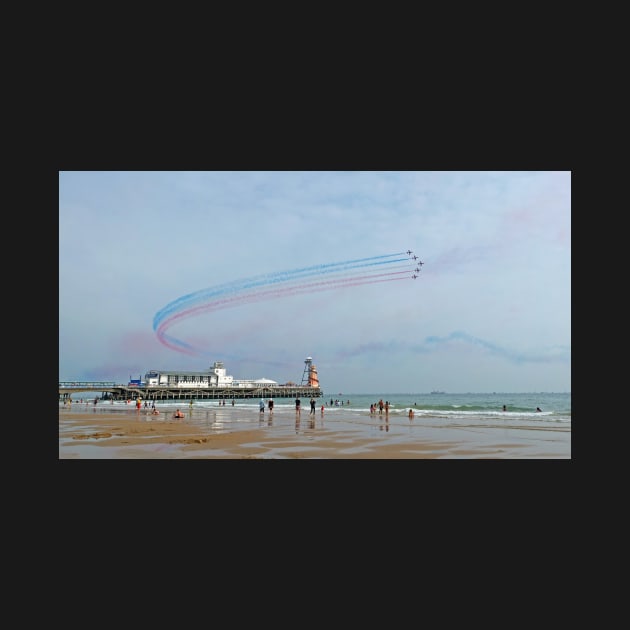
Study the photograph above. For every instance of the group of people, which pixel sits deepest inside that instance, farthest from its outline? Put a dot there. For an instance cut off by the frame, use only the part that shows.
(385, 406)
(381, 406)
(298, 405)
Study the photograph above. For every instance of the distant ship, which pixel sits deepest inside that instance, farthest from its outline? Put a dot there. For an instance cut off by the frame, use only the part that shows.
(435, 391)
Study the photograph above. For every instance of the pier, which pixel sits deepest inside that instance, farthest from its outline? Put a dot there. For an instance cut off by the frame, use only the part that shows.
(112, 391)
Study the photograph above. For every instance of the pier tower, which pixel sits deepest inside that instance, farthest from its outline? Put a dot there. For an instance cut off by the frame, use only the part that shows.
(309, 376)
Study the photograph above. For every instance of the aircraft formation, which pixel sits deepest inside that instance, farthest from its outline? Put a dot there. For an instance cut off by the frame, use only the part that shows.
(419, 263)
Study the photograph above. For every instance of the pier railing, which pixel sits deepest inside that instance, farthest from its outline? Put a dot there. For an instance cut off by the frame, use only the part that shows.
(90, 384)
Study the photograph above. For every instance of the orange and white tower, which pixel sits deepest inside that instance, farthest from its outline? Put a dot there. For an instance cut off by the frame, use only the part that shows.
(313, 379)
(309, 376)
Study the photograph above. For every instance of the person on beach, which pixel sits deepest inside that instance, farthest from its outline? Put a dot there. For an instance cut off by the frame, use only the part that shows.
(538, 409)
(504, 408)
(380, 406)
(411, 414)
(155, 412)
(312, 406)
(261, 406)
(270, 405)
(178, 414)
(298, 402)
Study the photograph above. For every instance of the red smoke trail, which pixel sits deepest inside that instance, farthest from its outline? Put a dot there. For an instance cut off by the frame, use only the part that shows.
(259, 296)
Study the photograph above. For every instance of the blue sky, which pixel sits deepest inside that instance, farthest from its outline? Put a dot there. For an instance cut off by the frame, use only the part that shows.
(490, 310)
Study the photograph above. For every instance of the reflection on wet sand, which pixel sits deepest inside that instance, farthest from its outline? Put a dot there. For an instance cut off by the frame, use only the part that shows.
(239, 434)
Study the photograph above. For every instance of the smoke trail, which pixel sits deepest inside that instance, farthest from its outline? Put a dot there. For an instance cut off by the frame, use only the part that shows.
(273, 286)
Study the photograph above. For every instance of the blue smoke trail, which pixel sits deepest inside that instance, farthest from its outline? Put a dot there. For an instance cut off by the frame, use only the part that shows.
(229, 288)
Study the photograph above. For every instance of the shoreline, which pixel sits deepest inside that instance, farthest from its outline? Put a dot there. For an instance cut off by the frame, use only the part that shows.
(229, 433)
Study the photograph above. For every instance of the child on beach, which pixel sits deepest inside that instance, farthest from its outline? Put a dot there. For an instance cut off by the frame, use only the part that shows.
(261, 406)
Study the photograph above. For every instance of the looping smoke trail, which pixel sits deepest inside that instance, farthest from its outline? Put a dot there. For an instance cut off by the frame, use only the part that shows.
(272, 286)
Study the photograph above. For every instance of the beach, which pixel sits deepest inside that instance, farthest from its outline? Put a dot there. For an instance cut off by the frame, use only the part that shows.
(104, 432)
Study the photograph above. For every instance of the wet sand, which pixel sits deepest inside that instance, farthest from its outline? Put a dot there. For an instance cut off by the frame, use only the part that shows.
(229, 433)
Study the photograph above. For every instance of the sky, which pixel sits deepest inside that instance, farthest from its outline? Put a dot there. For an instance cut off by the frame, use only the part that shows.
(176, 270)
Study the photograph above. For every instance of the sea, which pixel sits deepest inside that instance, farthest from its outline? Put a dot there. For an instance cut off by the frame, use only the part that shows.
(555, 408)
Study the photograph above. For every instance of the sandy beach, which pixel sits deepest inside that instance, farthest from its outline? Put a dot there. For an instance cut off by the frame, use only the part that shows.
(228, 433)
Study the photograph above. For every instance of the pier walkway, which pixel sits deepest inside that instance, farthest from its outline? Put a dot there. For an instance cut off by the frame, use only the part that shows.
(109, 390)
